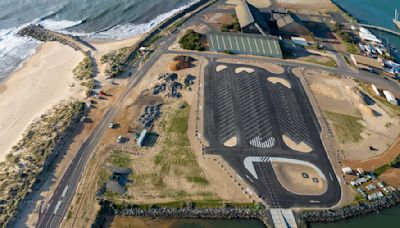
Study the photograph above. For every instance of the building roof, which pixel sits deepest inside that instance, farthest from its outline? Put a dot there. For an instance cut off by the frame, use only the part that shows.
(244, 14)
(362, 60)
(248, 14)
(121, 170)
(290, 22)
(240, 43)
(114, 186)
(284, 20)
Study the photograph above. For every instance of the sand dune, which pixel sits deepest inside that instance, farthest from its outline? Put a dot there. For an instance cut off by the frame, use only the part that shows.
(43, 81)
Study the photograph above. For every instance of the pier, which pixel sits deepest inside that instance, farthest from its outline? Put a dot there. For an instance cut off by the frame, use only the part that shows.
(380, 28)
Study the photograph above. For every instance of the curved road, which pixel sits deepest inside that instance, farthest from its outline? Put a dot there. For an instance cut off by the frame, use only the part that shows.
(56, 210)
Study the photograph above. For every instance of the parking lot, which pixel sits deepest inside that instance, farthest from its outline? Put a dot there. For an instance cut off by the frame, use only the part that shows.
(251, 112)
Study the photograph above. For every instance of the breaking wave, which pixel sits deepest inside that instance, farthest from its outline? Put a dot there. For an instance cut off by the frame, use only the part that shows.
(15, 50)
(125, 31)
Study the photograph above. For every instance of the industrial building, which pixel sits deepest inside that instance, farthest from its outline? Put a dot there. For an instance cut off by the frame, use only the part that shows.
(288, 24)
(250, 19)
(239, 43)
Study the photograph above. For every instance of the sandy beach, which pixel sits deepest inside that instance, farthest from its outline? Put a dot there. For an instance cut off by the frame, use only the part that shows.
(103, 47)
(43, 81)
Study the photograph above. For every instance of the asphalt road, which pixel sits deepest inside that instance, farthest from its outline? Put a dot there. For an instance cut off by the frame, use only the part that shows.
(61, 199)
(258, 113)
(343, 69)
(59, 203)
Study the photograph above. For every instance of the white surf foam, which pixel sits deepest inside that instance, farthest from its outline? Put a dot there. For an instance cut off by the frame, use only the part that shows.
(58, 25)
(14, 50)
(120, 32)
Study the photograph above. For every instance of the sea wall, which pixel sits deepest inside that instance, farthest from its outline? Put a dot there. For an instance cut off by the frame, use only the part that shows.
(209, 213)
(187, 212)
(326, 216)
(39, 33)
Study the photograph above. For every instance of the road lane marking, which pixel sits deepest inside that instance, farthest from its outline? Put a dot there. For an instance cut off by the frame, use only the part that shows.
(249, 179)
(57, 207)
(64, 192)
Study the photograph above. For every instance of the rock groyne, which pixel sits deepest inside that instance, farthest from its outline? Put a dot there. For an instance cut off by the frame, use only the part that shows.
(326, 216)
(186, 212)
(39, 33)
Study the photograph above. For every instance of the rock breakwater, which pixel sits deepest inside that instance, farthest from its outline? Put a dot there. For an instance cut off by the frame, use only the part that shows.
(326, 216)
(39, 33)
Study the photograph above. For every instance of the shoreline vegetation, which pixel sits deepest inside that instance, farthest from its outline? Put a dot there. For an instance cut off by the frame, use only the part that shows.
(182, 210)
(28, 162)
(13, 192)
(223, 210)
(84, 72)
(189, 209)
(60, 121)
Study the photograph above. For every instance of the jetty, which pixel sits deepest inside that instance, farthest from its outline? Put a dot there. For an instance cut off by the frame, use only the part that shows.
(38, 32)
(380, 28)
(396, 19)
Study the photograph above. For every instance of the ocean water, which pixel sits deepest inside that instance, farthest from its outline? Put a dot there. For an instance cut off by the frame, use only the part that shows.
(375, 12)
(90, 19)
(380, 13)
(385, 218)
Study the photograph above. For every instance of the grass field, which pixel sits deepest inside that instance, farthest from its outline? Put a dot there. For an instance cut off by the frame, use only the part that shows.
(348, 128)
(171, 171)
(322, 60)
(176, 156)
(117, 158)
(351, 48)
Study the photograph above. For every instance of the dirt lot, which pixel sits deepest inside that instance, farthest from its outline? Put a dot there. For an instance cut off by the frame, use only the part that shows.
(357, 125)
(391, 177)
(180, 174)
(308, 5)
(291, 177)
(256, 3)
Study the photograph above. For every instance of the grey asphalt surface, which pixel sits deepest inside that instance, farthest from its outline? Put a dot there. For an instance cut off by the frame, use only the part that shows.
(247, 105)
(73, 174)
(341, 70)
(52, 217)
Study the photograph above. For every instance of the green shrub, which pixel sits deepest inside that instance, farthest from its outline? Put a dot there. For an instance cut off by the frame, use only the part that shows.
(84, 70)
(191, 41)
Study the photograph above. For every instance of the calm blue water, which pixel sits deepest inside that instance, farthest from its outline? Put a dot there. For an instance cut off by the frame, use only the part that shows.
(380, 13)
(91, 19)
(375, 12)
(386, 218)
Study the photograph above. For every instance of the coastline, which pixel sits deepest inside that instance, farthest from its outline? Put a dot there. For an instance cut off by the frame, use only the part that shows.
(23, 96)
(8, 86)
(42, 81)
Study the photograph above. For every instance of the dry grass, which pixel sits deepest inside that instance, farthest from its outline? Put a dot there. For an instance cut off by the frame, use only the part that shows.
(321, 60)
(348, 128)
(33, 154)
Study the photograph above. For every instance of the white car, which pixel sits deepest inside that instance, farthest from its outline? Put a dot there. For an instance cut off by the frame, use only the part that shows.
(112, 125)
(119, 139)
